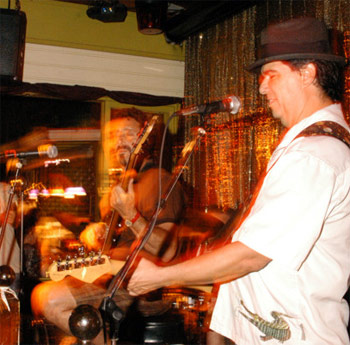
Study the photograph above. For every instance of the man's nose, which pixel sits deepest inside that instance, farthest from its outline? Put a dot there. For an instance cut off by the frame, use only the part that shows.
(121, 138)
(263, 85)
(121, 135)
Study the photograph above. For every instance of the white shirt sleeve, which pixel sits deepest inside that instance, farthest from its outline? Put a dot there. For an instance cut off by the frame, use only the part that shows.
(286, 219)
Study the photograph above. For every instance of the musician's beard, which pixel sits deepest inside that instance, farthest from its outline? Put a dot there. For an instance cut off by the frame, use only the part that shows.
(123, 155)
(123, 160)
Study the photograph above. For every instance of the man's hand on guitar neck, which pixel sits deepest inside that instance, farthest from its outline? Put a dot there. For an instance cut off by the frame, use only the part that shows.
(123, 201)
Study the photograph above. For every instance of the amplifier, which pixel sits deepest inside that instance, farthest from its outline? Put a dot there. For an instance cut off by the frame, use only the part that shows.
(13, 25)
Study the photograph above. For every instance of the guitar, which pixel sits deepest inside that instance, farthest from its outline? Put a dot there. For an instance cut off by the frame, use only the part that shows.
(84, 269)
(114, 220)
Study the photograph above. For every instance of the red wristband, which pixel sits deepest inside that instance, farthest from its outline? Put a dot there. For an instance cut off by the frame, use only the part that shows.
(137, 216)
(131, 222)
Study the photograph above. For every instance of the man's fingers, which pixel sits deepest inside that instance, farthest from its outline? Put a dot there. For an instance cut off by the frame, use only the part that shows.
(131, 186)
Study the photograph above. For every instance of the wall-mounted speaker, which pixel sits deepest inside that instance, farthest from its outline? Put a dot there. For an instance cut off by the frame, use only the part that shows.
(13, 26)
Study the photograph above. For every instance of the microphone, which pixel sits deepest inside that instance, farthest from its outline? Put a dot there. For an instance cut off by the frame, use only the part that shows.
(48, 150)
(230, 104)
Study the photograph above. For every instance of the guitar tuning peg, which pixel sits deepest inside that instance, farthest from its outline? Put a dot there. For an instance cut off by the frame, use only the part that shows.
(58, 263)
(91, 256)
(75, 264)
(67, 262)
(81, 250)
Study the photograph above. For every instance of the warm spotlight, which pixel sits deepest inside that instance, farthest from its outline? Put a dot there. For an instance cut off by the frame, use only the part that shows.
(151, 16)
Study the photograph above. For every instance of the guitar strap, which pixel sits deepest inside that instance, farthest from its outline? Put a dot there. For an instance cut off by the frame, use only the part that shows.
(328, 128)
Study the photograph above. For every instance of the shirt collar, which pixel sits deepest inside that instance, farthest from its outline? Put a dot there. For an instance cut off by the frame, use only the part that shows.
(332, 112)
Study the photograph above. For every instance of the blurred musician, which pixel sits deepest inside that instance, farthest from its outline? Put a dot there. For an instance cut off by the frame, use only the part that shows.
(135, 205)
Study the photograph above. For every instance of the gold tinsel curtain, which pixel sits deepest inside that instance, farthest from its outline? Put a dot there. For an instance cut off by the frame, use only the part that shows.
(237, 147)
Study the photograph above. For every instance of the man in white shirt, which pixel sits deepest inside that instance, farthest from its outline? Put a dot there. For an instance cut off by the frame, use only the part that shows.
(287, 269)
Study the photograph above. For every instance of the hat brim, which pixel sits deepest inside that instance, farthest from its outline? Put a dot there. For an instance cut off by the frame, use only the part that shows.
(255, 67)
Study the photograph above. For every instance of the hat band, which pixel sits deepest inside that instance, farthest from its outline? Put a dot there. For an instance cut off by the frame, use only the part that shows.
(280, 48)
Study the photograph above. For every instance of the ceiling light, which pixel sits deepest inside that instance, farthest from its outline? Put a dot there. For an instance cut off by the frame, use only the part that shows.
(108, 12)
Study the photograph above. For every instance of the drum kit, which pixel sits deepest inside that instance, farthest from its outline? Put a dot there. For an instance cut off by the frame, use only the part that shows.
(185, 320)
(183, 317)
(185, 323)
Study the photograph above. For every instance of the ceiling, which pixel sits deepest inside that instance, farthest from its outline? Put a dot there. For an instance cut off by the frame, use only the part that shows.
(185, 18)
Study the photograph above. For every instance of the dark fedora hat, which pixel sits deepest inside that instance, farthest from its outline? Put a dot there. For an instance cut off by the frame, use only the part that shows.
(298, 38)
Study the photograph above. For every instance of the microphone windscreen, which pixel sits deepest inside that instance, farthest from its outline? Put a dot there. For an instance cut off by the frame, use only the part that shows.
(49, 150)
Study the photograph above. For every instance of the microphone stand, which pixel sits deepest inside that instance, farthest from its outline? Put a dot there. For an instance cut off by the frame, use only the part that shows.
(9, 204)
(109, 310)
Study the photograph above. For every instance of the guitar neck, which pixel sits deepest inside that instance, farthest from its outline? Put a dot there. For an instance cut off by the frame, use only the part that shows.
(114, 221)
(115, 217)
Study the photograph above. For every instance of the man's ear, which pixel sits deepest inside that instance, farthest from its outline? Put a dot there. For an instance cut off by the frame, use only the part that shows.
(308, 74)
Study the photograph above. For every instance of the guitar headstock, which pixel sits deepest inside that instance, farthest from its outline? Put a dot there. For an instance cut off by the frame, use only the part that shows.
(86, 269)
(144, 133)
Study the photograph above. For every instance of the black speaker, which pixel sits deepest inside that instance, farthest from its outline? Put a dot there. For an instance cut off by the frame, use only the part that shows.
(13, 26)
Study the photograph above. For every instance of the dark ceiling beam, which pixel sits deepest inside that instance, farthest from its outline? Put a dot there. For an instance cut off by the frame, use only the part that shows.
(201, 16)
